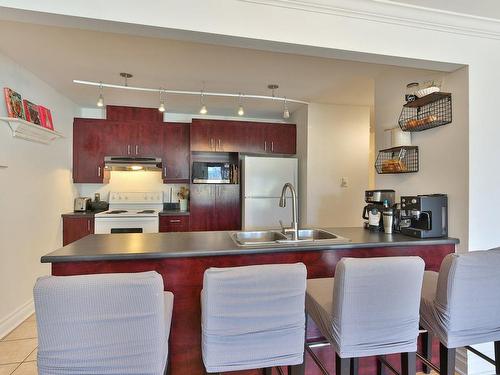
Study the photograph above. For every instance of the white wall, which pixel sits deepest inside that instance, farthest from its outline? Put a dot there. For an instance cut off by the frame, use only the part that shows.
(443, 151)
(34, 190)
(336, 145)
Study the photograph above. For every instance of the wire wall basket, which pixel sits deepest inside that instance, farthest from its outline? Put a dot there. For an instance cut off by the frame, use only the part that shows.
(393, 160)
(428, 112)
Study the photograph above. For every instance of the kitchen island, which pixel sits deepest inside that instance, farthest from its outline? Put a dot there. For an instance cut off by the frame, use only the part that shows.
(182, 258)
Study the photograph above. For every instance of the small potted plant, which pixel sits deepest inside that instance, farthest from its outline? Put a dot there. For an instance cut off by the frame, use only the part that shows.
(183, 196)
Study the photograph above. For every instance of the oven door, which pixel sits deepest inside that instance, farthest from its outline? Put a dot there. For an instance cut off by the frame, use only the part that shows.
(126, 225)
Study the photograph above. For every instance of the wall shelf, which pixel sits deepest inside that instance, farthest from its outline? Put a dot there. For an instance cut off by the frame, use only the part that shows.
(31, 132)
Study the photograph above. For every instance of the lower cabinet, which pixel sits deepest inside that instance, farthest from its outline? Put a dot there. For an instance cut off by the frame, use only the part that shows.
(75, 228)
(215, 207)
(178, 223)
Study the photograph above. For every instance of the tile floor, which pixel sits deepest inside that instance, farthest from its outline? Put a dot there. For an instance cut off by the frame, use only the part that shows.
(18, 350)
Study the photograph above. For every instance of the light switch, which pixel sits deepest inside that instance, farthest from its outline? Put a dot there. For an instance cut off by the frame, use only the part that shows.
(344, 182)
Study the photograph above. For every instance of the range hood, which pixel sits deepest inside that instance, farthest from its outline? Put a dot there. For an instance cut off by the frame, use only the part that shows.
(128, 163)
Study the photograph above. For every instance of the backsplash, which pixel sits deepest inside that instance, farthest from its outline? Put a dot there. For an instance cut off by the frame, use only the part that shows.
(130, 182)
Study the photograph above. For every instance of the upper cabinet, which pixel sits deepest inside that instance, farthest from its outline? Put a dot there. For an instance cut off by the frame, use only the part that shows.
(122, 113)
(89, 149)
(175, 152)
(242, 136)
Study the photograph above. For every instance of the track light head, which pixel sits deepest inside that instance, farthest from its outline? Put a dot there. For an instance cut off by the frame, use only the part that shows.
(241, 111)
(100, 101)
(203, 110)
(286, 112)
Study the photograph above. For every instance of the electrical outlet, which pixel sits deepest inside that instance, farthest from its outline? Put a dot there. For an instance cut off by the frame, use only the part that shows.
(344, 182)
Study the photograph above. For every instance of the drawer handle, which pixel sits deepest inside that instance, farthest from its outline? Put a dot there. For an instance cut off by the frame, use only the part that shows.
(175, 220)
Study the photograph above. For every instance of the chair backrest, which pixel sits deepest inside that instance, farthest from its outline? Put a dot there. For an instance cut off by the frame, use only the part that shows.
(253, 315)
(376, 303)
(468, 291)
(101, 324)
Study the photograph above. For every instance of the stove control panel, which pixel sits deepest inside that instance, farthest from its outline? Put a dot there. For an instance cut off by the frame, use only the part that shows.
(136, 197)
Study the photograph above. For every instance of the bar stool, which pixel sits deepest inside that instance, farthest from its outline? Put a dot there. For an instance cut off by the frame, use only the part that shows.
(461, 306)
(253, 318)
(103, 324)
(370, 308)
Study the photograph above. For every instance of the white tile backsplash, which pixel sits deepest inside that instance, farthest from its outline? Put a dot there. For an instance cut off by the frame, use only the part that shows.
(132, 181)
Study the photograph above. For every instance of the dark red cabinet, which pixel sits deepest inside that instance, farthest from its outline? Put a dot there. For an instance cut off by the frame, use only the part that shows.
(215, 207)
(175, 152)
(242, 136)
(89, 148)
(124, 113)
(94, 139)
(174, 223)
(75, 228)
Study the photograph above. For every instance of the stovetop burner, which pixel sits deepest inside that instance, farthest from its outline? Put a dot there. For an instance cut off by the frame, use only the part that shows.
(146, 212)
(116, 212)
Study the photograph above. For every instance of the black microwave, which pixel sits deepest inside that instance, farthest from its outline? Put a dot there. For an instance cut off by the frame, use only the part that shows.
(211, 173)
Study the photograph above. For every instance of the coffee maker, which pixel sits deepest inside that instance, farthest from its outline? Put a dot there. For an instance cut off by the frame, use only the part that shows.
(375, 200)
(428, 215)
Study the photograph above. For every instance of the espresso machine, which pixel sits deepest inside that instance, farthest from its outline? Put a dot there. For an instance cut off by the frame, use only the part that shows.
(427, 215)
(375, 202)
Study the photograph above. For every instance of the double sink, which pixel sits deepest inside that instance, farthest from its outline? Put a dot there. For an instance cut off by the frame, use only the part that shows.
(274, 237)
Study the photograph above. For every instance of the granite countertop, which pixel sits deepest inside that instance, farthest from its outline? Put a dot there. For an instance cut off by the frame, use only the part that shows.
(195, 244)
(173, 213)
(80, 214)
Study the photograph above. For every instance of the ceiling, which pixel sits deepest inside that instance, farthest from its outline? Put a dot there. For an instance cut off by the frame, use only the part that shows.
(482, 8)
(58, 55)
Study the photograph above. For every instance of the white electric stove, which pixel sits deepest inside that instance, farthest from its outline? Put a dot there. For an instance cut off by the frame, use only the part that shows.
(130, 212)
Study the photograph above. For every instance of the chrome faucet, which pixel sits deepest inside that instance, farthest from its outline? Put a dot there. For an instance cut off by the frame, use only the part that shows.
(294, 228)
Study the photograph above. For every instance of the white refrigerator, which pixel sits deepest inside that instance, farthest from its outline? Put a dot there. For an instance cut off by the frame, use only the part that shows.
(262, 181)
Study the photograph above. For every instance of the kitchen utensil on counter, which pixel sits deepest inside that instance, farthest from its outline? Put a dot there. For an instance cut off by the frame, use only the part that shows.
(388, 220)
(97, 205)
(428, 215)
(375, 200)
(81, 204)
(374, 219)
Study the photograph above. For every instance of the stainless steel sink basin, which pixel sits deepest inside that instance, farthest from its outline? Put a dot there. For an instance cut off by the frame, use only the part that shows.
(257, 238)
(272, 237)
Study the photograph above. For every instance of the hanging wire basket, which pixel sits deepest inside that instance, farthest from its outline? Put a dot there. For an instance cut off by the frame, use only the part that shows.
(428, 112)
(403, 159)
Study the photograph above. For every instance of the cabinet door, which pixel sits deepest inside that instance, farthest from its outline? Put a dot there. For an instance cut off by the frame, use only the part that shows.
(175, 152)
(89, 147)
(255, 138)
(282, 138)
(202, 207)
(227, 207)
(75, 228)
(201, 136)
(174, 223)
(148, 139)
(123, 113)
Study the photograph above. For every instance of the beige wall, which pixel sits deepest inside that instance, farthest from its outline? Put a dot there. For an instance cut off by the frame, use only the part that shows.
(443, 150)
(35, 189)
(334, 143)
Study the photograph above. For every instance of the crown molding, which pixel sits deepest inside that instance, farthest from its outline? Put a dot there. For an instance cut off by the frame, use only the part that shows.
(396, 13)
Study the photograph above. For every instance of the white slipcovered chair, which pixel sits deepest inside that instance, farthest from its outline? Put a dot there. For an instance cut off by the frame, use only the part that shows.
(253, 317)
(370, 308)
(461, 305)
(103, 324)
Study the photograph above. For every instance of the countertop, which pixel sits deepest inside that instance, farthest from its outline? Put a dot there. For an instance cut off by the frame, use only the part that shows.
(173, 213)
(195, 244)
(89, 214)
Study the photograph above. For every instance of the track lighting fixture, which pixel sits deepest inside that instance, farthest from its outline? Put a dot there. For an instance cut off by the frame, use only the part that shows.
(100, 100)
(203, 109)
(286, 112)
(241, 111)
(161, 108)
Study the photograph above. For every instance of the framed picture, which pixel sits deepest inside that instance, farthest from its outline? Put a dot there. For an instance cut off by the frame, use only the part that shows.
(45, 117)
(14, 103)
(31, 112)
